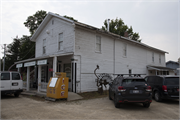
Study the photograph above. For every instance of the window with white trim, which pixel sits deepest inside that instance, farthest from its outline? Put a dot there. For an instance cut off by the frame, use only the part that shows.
(130, 71)
(159, 58)
(152, 56)
(60, 41)
(98, 44)
(44, 46)
(125, 50)
(52, 22)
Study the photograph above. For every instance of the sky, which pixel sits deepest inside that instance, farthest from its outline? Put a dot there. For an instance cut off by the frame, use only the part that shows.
(156, 21)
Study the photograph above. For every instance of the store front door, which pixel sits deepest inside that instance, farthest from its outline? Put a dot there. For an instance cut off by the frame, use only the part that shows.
(67, 70)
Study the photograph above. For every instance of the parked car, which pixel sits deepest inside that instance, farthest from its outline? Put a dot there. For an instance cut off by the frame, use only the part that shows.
(11, 83)
(164, 87)
(130, 89)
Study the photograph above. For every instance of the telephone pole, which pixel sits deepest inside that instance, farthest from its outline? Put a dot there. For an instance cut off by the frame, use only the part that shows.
(4, 56)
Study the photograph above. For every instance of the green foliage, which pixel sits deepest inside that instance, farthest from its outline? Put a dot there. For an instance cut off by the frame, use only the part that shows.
(19, 49)
(12, 53)
(27, 48)
(118, 27)
(33, 22)
(23, 48)
(71, 18)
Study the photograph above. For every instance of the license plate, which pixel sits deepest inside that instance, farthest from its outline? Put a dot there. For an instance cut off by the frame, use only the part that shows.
(14, 84)
(135, 91)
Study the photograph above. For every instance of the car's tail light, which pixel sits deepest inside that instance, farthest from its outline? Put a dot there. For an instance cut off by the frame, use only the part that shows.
(21, 78)
(121, 89)
(148, 88)
(164, 87)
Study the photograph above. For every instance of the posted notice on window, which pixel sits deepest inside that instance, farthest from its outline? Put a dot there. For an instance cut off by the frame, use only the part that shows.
(53, 82)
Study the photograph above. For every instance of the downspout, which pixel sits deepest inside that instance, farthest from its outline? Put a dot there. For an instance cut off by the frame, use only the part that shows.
(74, 69)
(114, 58)
(80, 71)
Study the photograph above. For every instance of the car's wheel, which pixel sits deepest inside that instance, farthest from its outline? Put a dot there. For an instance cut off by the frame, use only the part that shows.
(110, 96)
(157, 96)
(116, 104)
(16, 94)
(146, 105)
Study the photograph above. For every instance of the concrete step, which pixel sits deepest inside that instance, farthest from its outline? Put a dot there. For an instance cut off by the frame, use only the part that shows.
(71, 95)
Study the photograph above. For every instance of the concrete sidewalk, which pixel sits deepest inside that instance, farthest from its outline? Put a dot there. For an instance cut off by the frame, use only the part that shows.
(71, 95)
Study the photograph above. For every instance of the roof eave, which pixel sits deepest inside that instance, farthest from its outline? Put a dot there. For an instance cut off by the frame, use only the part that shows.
(118, 36)
(45, 21)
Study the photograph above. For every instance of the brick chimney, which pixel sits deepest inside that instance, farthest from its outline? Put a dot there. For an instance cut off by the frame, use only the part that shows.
(126, 34)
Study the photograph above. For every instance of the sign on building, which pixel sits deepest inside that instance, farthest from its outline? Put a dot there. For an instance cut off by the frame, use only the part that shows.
(19, 65)
(41, 62)
(33, 63)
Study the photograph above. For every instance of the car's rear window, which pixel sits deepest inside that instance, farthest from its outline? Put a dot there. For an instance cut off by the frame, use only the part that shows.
(132, 82)
(171, 81)
(5, 76)
(15, 76)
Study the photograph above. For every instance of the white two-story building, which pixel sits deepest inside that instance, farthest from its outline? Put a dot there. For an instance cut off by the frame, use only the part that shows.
(63, 45)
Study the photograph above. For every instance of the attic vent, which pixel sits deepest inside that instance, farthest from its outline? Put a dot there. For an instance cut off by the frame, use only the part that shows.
(52, 22)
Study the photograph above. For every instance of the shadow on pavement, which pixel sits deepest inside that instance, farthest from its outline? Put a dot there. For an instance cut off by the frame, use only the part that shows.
(8, 96)
(169, 101)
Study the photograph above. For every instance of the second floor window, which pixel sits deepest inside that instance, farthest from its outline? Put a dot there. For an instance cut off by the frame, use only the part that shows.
(44, 46)
(125, 50)
(153, 57)
(98, 43)
(159, 58)
(60, 41)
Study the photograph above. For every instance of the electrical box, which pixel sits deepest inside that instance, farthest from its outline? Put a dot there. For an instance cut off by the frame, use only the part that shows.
(58, 86)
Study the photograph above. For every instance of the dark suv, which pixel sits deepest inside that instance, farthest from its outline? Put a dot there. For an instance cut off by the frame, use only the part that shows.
(130, 89)
(164, 87)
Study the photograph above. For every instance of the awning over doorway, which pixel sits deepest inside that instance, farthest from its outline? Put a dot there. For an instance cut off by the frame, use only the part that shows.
(158, 68)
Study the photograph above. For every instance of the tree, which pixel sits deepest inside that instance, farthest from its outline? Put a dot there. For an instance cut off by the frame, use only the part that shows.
(117, 26)
(71, 18)
(33, 22)
(27, 48)
(12, 53)
(23, 48)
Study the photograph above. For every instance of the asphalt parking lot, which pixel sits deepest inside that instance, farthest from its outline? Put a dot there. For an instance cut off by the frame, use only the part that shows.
(99, 108)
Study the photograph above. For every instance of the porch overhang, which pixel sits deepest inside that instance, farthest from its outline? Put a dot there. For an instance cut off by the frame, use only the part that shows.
(158, 68)
(43, 57)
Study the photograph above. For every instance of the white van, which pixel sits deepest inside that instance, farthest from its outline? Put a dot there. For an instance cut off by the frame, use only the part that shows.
(11, 83)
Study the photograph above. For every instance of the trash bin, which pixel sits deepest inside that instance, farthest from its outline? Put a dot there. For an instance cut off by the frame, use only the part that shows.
(58, 86)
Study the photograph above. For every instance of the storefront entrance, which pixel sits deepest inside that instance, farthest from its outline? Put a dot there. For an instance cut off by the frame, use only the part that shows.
(67, 70)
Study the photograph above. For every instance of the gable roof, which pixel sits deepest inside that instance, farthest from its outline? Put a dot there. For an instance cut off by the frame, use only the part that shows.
(45, 21)
(172, 62)
(50, 15)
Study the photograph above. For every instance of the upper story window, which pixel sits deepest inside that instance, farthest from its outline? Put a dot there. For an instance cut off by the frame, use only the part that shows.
(60, 41)
(152, 56)
(159, 58)
(52, 22)
(98, 43)
(44, 46)
(130, 71)
(125, 50)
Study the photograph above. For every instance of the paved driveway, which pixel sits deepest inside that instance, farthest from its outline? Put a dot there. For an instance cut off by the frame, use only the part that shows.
(100, 108)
